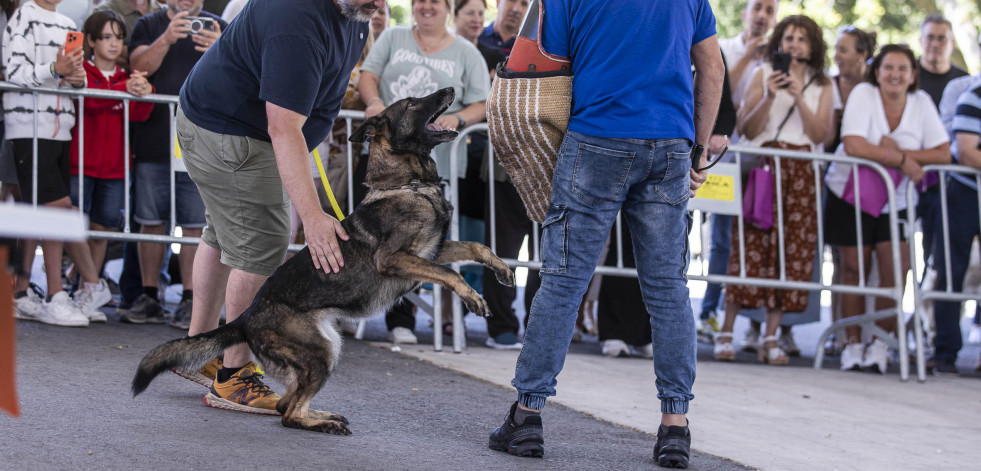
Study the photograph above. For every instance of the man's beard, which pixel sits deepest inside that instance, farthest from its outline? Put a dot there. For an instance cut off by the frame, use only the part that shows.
(354, 11)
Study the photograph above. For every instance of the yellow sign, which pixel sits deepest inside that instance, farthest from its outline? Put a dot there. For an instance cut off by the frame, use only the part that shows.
(177, 147)
(718, 187)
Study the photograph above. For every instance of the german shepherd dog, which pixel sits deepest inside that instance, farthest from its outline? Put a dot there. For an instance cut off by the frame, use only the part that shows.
(397, 241)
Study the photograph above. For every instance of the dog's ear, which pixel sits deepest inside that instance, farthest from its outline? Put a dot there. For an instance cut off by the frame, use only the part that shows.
(368, 129)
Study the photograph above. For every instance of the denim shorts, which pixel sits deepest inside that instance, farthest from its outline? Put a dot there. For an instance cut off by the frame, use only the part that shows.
(248, 208)
(103, 200)
(152, 199)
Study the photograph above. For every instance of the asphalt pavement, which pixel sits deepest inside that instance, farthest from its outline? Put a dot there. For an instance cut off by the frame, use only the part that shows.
(78, 413)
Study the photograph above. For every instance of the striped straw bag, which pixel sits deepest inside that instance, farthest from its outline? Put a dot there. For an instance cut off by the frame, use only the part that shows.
(528, 113)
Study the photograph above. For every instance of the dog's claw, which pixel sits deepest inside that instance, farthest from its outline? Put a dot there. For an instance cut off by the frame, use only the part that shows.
(478, 306)
(505, 277)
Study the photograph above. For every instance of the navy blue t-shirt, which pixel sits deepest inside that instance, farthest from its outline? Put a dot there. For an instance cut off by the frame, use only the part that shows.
(631, 63)
(151, 138)
(490, 38)
(296, 54)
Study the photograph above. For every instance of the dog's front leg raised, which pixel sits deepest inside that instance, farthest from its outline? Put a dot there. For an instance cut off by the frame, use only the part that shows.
(454, 251)
(411, 267)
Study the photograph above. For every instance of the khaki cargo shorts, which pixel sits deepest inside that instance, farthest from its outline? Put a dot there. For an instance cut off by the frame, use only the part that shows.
(246, 206)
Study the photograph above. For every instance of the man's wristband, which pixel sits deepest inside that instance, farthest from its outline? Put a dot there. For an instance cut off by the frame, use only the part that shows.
(902, 162)
(462, 122)
(54, 71)
(372, 101)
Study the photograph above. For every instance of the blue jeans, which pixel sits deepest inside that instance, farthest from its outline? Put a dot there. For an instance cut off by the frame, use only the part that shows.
(718, 262)
(962, 213)
(594, 178)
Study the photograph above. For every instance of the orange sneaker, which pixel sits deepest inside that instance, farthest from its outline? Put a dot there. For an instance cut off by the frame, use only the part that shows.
(205, 376)
(243, 392)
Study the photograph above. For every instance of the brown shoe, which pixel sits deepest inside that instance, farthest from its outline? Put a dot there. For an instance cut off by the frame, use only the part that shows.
(243, 392)
(205, 376)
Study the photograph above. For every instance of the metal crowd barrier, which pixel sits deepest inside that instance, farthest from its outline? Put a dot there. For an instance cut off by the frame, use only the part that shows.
(436, 309)
(921, 294)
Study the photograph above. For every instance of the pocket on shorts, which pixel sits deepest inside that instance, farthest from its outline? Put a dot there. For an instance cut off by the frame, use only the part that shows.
(555, 239)
(185, 139)
(675, 187)
(600, 173)
(234, 150)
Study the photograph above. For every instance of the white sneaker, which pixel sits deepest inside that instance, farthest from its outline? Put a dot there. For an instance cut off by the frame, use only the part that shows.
(615, 348)
(751, 341)
(401, 335)
(787, 343)
(974, 337)
(646, 351)
(88, 301)
(876, 356)
(62, 311)
(851, 357)
(29, 307)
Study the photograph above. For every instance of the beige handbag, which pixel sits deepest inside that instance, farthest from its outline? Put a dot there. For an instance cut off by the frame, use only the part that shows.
(528, 113)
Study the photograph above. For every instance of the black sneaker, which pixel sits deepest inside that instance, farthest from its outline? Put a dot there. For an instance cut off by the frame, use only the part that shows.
(672, 449)
(182, 315)
(519, 440)
(145, 310)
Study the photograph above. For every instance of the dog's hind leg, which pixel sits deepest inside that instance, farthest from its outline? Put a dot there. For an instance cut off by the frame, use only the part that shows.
(454, 251)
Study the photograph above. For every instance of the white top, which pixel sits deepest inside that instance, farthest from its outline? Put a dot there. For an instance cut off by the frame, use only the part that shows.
(793, 131)
(919, 128)
(232, 9)
(733, 49)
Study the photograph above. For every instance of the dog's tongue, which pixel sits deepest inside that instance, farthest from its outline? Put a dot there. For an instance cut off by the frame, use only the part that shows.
(434, 127)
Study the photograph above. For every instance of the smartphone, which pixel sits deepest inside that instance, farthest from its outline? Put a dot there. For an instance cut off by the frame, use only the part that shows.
(781, 63)
(73, 41)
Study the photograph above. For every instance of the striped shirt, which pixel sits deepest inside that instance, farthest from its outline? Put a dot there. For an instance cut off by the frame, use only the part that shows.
(967, 119)
(31, 42)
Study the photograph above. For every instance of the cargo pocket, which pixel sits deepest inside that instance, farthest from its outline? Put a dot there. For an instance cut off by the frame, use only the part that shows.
(555, 239)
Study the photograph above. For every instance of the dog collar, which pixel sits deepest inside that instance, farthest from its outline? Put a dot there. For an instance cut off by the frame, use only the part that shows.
(413, 185)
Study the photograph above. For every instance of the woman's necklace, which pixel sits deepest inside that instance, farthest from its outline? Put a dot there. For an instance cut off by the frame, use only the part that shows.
(423, 46)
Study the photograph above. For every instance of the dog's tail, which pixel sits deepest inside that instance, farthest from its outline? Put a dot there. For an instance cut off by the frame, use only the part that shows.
(188, 352)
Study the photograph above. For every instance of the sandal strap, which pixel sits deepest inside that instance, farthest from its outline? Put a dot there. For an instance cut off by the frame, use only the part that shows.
(771, 338)
(723, 335)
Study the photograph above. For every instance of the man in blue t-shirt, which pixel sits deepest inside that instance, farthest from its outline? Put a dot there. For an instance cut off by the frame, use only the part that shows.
(637, 111)
(250, 112)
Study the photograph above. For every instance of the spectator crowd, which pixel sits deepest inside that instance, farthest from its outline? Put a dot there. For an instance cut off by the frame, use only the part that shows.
(882, 104)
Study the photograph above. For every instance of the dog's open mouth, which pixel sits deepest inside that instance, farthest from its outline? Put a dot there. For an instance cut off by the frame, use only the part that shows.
(432, 125)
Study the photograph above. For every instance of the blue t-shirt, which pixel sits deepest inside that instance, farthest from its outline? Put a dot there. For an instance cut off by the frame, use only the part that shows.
(151, 138)
(296, 54)
(490, 38)
(631, 61)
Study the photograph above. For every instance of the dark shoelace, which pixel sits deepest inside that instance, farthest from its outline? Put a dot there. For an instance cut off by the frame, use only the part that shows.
(255, 385)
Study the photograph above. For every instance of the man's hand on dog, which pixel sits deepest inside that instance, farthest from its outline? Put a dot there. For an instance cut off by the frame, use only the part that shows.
(321, 234)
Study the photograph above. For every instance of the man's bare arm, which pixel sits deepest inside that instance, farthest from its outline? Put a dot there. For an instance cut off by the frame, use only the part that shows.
(707, 59)
(289, 145)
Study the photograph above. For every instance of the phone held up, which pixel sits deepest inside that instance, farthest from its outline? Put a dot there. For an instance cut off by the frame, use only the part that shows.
(73, 41)
(781, 63)
(200, 23)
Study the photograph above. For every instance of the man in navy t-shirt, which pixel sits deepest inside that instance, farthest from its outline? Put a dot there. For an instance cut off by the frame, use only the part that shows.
(636, 113)
(250, 112)
(162, 45)
(501, 32)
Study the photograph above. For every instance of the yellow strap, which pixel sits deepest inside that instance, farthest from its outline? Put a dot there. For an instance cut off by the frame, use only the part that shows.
(323, 179)
(177, 147)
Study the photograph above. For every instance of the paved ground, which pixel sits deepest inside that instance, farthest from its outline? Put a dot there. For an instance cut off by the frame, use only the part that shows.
(405, 414)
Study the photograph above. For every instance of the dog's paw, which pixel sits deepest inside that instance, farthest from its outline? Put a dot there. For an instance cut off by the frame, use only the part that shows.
(478, 306)
(505, 276)
(334, 427)
(326, 415)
